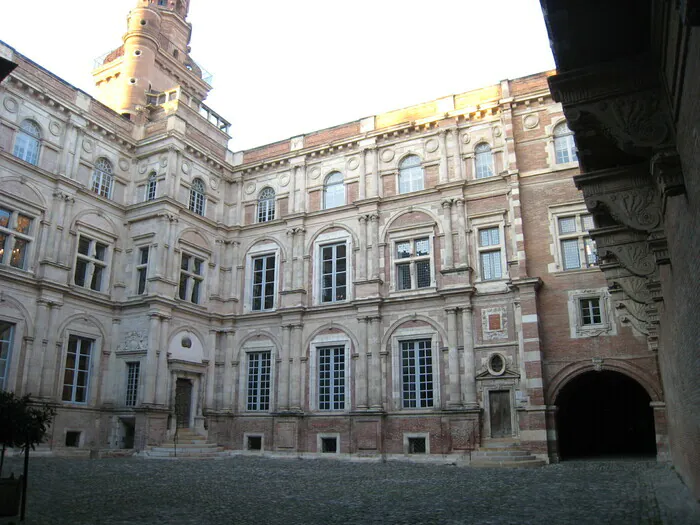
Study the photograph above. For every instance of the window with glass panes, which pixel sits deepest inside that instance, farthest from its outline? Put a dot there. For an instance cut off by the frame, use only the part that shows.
(334, 273)
(576, 246)
(410, 174)
(263, 295)
(27, 142)
(103, 178)
(331, 377)
(91, 264)
(191, 278)
(142, 270)
(334, 191)
(6, 332)
(416, 373)
(590, 311)
(151, 186)
(133, 371)
(564, 146)
(197, 197)
(490, 253)
(413, 264)
(15, 238)
(76, 374)
(483, 160)
(258, 394)
(266, 205)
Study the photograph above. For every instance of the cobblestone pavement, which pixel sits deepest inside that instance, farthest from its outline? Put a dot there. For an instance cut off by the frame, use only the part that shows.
(242, 490)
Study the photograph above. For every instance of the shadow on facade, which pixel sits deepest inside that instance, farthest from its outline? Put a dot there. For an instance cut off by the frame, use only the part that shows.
(605, 414)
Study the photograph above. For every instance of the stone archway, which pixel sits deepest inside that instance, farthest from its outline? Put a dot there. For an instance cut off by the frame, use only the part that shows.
(604, 413)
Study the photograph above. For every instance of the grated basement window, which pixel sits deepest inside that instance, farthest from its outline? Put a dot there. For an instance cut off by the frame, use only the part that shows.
(72, 439)
(329, 445)
(416, 445)
(254, 442)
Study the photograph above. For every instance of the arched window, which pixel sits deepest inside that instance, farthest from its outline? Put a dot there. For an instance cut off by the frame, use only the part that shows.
(483, 160)
(334, 191)
(151, 186)
(564, 147)
(266, 205)
(27, 142)
(103, 178)
(197, 198)
(410, 174)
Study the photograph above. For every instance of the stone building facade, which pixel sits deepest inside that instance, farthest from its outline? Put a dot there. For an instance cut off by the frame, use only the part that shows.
(420, 281)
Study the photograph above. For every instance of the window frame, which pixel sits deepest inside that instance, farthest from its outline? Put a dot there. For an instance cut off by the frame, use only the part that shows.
(607, 324)
(30, 142)
(566, 139)
(321, 241)
(254, 345)
(133, 382)
(261, 250)
(329, 341)
(490, 249)
(481, 164)
(92, 262)
(412, 235)
(102, 179)
(151, 187)
(9, 343)
(11, 234)
(197, 203)
(141, 268)
(583, 237)
(269, 353)
(268, 212)
(406, 171)
(191, 277)
(91, 358)
(415, 334)
(338, 184)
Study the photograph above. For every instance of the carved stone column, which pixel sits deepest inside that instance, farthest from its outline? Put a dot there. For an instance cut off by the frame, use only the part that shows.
(469, 383)
(361, 391)
(379, 187)
(448, 262)
(289, 260)
(109, 392)
(301, 201)
(211, 368)
(299, 259)
(461, 234)
(215, 269)
(163, 373)
(443, 171)
(227, 400)
(374, 221)
(235, 265)
(48, 372)
(375, 375)
(454, 396)
(459, 163)
(292, 202)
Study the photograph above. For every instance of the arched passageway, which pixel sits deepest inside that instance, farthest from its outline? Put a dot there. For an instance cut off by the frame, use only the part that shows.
(604, 413)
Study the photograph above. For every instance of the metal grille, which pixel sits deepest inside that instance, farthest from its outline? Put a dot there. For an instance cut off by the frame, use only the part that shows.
(263, 283)
(77, 370)
(334, 273)
(258, 397)
(422, 274)
(403, 276)
(132, 383)
(417, 373)
(331, 378)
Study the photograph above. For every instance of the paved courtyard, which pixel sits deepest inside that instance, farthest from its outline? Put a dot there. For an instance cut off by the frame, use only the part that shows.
(242, 490)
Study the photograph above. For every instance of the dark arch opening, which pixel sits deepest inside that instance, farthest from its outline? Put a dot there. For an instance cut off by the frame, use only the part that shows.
(604, 414)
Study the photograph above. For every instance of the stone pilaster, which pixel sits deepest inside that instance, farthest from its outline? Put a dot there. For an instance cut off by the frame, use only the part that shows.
(151, 371)
(469, 382)
(454, 397)
(283, 380)
(163, 373)
(448, 249)
(362, 193)
(362, 253)
(361, 384)
(229, 378)
(211, 369)
(374, 355)
(374, 223)
(463, 257)
(295, 374)
(443, 172)
(458, 161)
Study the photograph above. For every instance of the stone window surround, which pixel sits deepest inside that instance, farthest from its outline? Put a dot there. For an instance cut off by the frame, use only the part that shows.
(409, 435)
(183, 246)
(325, 239)
(551, 154)
(482, 222)
(476, 154)
(319, 442)
(261, 435)
(268, 248)
(194, 254)
(258, 375)
(264, 345)
(410, 334)
(400, 160)
(577, 329)
(95, 364)
(103, 237)
(555, 212)
(489, 367)
(39, 139)
(15, 207)
(339, 339)
(145, 182)
(137, 265)
(411, 233)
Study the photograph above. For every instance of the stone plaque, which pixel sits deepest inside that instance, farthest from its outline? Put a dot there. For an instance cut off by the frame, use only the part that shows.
(366, 433)
(286, 435)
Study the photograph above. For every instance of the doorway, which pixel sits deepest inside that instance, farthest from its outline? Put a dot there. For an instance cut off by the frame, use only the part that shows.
(499, 413)
(183, 402)
(604, 414)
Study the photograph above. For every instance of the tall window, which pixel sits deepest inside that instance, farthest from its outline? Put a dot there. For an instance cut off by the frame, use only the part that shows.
(103, 178)
(191, 278)
(27, 142)
(410, 174)
(151, 186)
(564, 146)
(6, 331)
(197, 198)
(266, 205)
(90, 264)
(590, 311)
(133, 371)
(489, 257)
(258, 397)
(76, 376)
(263, 283)
(331, 378)
(142, 270)
(334, 273)
(483, 159)
(15, 238)
(413, 264)
(417, 373)
(577, 248)
(334, 191)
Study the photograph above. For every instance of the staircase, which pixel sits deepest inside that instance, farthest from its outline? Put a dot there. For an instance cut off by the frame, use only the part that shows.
(505, 455)
(190, 445)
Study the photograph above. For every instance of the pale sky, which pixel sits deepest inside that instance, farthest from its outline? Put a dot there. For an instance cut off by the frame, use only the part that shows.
(285, 68)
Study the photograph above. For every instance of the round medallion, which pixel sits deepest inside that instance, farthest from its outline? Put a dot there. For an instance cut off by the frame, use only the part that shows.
(55, 129)
(353, 163)
(387, 155)
(10, 104)
(123, 164)
(466, 137)
(214, 182)
(284, 179)
(250, 188)
(87, 146)
(431, 145)
(315, 173)
(186, 342)
(143, 166)
(531, 121)
(185, 167)
(497, 131)
(164, 162)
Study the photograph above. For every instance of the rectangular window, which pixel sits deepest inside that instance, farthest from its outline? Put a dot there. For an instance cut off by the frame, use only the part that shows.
(6, 332)
(142, 270)
(258, 381)
(191, 278)
(590, 311)
(90, 264)
(576, 248)
(132, 383)
(489, 258)
(331, 378)
(263, 283)
(76, 375)
(417, 373)
(413, 264)
(15, 238)
(334, 273)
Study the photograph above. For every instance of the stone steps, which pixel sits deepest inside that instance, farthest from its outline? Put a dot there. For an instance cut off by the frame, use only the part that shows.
(190, 445)
(505, 455)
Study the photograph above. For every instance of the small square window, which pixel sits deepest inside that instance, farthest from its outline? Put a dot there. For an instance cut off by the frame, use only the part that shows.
(590, 311)
(329, 445)
(72, 439)
(254, 443)
(416, 445)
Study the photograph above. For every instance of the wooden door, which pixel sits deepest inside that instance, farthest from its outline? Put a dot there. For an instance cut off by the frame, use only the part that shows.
(499, 412)
(183, 402)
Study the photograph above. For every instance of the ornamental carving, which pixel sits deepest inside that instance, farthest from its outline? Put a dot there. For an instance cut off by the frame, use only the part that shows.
(635, 257)
(123, 164)
(55, 128)
(639, 209)
(636, 310)
(315, 173)
(634, 287)
(10, 104)
(143, 166)
(353, 163)
(531, 121)
(284, 179)
(87, 146)
(134, 342)
(431, 145)
(387, 155)
(466, 137)
(250, 188)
